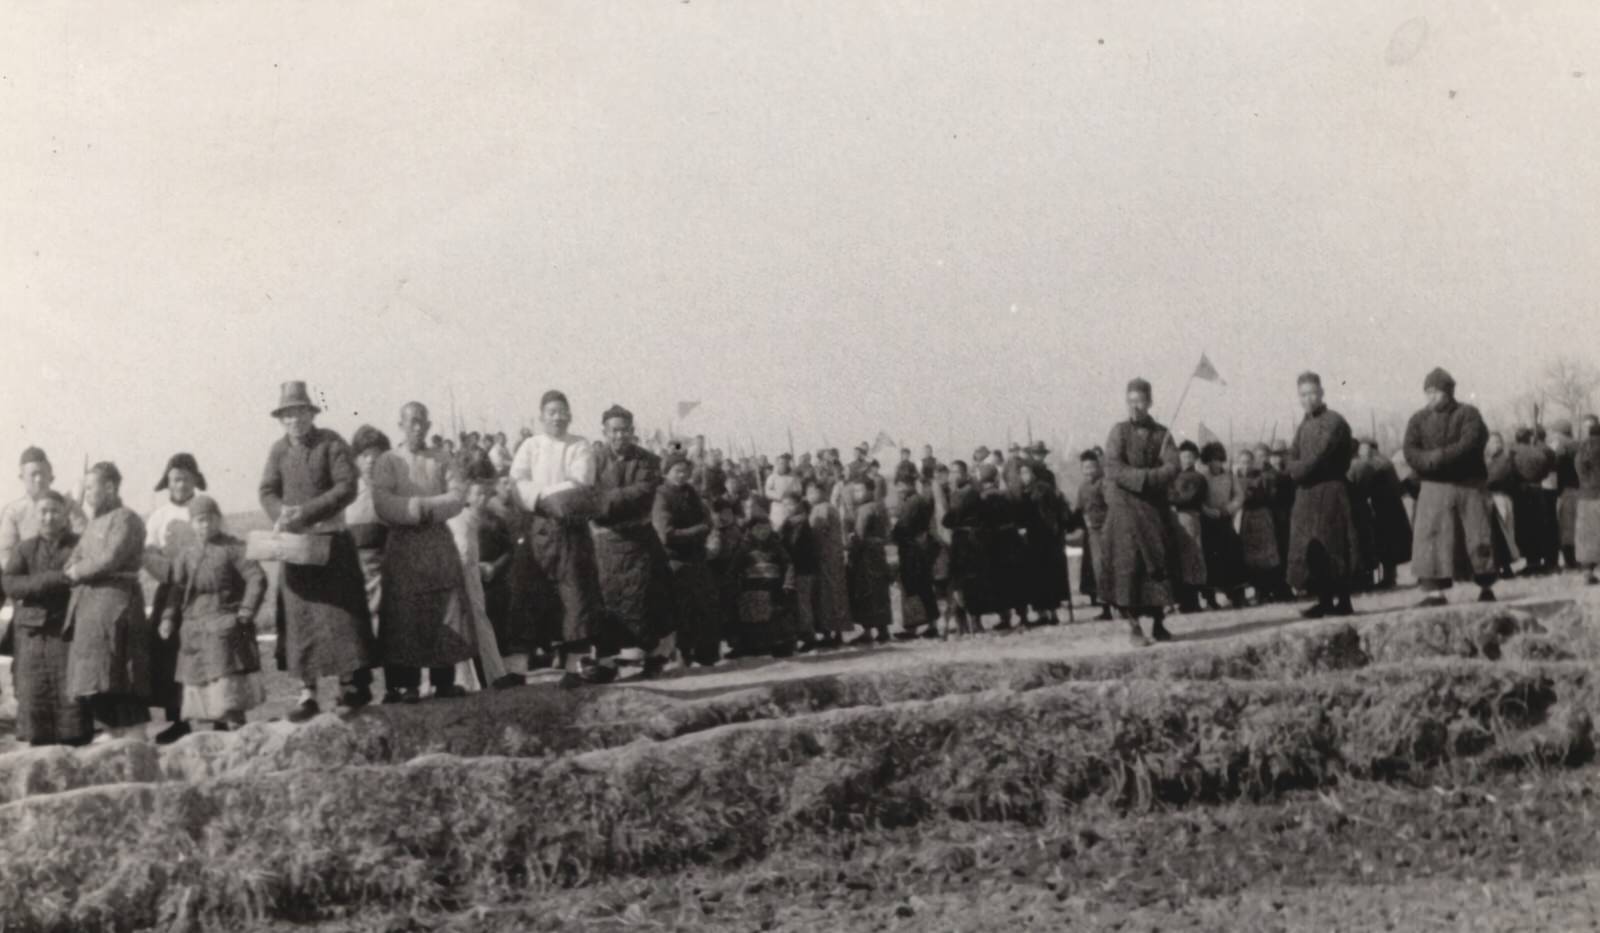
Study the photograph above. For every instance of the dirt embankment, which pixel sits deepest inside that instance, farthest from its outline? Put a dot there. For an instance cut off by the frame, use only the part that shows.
(507, 797)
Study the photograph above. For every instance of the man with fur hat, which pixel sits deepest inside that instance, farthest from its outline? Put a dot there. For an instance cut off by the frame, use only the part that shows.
(1324, 544)
(1141, 461)
(635, 580)
(1453, 536)
(324, 625)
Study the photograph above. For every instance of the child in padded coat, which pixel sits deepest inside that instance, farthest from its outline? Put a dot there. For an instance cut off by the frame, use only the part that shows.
(765, 578)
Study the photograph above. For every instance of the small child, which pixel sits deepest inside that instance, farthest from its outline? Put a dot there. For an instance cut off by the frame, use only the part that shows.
(1257, 534)
(801, 544)
(765, 579)
(871, 603)
(221, 590)
(465, 528)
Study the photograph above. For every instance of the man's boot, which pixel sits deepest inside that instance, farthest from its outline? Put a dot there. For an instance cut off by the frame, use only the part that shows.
(1158, 630)
(1136, 634)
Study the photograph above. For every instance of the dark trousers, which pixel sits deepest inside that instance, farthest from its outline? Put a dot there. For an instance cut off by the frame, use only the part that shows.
(405, 677)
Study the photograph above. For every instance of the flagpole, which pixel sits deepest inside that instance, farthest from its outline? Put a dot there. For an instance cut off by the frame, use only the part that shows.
(1181, 396)
(791, 440)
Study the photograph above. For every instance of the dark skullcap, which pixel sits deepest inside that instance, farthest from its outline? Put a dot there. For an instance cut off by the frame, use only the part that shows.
(1190, 447)
(1140, 385)
(34, 455)
(1308, 377)
(50, 495)
(1439, 379)
(1213, 452)
(367, 438)
(554, 395)
(1090, 456)
(615, 411)
(107, 470)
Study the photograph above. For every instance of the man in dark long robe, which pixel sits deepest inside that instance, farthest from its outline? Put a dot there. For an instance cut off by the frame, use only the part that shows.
(634, 577)
(1454, 538)
(1324, 547)
(35, 578)
(916, 547)
(1141, 461)
(1041, 513)
(324, 624)
(425, 617)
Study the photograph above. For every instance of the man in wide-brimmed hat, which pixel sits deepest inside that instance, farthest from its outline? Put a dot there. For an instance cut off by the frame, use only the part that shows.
(323, 622)
(167, 534)
(1453, 535)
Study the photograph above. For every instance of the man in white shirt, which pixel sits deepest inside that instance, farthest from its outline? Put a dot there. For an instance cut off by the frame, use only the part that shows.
(556, 598)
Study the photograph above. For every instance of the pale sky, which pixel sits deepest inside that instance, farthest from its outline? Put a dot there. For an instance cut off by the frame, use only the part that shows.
(937, 218)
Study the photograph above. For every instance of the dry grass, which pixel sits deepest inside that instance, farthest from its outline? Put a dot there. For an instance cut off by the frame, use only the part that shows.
(394, 810)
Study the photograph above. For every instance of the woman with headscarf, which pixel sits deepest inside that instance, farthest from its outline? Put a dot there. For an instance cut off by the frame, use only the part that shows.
(168, 534)
(361, 518)
(217, 593)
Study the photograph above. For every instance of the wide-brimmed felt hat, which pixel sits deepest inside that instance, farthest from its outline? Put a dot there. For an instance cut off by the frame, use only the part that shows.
(1038, 449)
(184, 462)
(294, 395)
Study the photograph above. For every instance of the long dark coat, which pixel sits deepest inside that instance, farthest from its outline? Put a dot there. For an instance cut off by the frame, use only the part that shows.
(1391, 525)
(1586, 531)
(1453, 533)
(1090, 515)
(1258, 538)
(967, 560)
(216, 593)
(917, 549)
(868, 569)
(683, 523)
(635, 582)
(1224, 552)
(1534, 533)
(1000, 587)
(110, 634)
(1140, 462)
(322, 618)
(35, 578)
(1041, 512)
(1324, 548)
(1362, 476)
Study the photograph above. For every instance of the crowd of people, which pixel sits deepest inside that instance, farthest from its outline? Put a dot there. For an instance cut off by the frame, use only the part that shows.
(453, 565)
